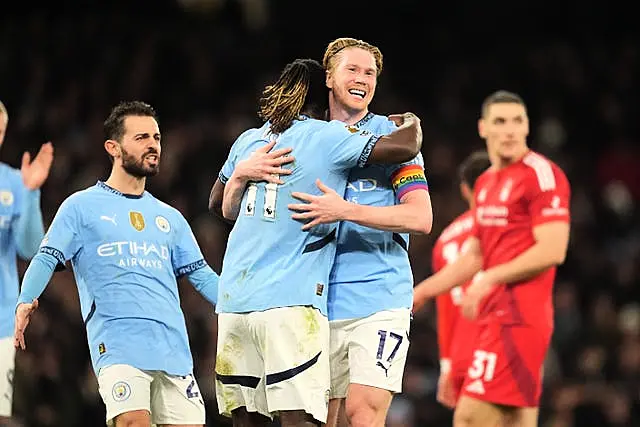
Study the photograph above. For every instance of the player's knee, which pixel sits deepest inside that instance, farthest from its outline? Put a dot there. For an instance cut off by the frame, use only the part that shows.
(133, 419)
(466, 416)
(368, 409)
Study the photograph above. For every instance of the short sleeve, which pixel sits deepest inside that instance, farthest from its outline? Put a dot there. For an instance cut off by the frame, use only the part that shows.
(549, 194)
(407, 177)
(348, 146)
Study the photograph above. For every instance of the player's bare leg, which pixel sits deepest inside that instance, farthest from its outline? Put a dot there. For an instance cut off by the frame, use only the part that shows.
(297, 419)
(140, 418)
(367, 406)
(472, 412)
(337, 416)
(520, 417)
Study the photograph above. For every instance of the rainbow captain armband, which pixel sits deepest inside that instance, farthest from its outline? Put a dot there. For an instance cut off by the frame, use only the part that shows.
(408, 178)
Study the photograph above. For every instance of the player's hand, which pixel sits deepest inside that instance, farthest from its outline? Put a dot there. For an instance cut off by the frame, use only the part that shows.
(419, 299)
(23, 315)
(480, 287)
(400, 119)
(265, 165)
(327, 208)
(446, 395)
(35, 173)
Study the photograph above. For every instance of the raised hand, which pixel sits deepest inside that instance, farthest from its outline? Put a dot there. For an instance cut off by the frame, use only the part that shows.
(35, 173)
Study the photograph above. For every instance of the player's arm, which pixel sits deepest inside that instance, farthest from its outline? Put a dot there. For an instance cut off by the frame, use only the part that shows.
(232, 197)
(549, 211)
(445, 310)
(187, 260)
(412, 215)
(444, 315)
(29, 226)
(34, 282)
(454, 274)
(61, 243)
(263, 165)
(401, 145)
(549, 250)
(215, 198)
(205, 281)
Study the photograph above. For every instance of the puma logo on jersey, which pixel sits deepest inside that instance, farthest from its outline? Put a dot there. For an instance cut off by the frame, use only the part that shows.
(109, 218)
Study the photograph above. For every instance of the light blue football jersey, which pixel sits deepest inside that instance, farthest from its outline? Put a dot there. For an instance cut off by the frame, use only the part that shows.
(371, 272)
(17, 204)
(126, 252)
(270, 262)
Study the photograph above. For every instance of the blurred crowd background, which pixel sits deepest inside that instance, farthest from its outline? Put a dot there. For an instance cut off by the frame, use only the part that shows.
(202, 65)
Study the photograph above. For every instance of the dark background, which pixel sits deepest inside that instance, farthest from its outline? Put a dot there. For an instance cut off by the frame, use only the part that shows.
(63, 66)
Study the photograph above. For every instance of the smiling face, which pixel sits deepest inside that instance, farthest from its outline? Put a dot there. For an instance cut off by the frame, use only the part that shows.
(352, 79)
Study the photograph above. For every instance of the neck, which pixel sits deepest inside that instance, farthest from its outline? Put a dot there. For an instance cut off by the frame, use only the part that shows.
(125, 183)
(498, 162)
(346, 115)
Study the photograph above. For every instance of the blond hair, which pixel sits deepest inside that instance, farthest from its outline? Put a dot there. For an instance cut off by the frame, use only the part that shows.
(338, 45)
(3, 110)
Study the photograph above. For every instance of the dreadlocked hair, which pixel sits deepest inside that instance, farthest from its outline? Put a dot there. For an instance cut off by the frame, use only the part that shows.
(338, 45)
(282, 102)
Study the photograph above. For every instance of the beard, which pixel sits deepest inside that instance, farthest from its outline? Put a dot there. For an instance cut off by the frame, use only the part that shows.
(137, 167)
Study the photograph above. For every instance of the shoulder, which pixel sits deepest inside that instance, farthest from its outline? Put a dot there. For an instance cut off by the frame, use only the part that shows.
(249, 137)
(12, 175)
(78, 201)
(459, 226)
(164, 209)
(482, 179)
(381, 125)
(542, 173)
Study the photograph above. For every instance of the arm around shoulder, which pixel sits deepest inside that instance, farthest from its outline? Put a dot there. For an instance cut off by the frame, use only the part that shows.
(401, 145)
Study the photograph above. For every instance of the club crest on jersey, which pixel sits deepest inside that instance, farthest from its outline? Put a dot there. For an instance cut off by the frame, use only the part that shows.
(121, 391)
(162, 224)
(506, 190)
(352, 129)
(6, 197)
(137, 220)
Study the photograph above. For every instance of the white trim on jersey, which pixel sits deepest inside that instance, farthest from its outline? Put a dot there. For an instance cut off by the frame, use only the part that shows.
(543, 170)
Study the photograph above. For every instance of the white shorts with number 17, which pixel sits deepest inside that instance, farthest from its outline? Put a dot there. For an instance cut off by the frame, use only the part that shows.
(370, 351)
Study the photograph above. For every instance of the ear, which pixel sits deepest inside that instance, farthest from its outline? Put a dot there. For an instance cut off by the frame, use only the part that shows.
(482, 131)
(466, 191)
(112, 147)
(329, 79)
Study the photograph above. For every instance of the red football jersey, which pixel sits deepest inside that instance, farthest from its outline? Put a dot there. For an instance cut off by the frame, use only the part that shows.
(509, 203)
(453, 328)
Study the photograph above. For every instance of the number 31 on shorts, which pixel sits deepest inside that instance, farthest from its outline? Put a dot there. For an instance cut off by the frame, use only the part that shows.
(483, 366)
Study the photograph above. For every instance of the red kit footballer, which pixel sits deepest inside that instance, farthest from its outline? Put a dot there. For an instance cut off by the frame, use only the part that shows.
(520, 235)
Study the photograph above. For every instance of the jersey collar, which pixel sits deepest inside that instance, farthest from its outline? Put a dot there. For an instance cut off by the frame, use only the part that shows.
(118, 193)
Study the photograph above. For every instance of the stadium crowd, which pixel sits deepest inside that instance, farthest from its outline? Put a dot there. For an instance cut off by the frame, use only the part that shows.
(61, 71)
